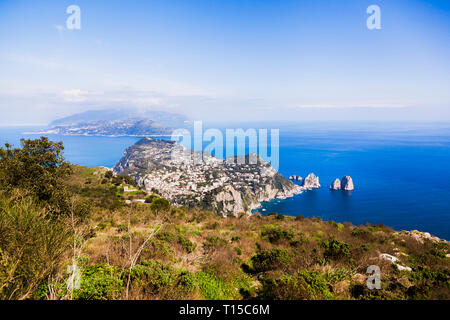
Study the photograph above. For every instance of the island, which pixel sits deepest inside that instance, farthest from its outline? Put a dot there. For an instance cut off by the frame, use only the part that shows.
(111, 122)
(225, 186)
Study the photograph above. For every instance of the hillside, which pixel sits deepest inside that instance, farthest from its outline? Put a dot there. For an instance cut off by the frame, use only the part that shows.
(198, 255)
(62, 224)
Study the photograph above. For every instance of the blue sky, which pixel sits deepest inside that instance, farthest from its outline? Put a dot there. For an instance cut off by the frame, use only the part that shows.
(226, 60)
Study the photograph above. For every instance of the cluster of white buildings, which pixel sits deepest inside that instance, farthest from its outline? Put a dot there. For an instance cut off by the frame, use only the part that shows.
(174, 173)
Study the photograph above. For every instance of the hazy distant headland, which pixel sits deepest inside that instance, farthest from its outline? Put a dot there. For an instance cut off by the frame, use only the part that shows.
(116, 122)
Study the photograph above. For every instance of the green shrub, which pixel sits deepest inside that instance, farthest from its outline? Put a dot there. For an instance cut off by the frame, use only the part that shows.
(214, 242)
(187, 244)
(153, 274)
(99, 282)
(122, 228)
(166, 236)
(275, 235)
(170, 237)
(108, 174)
(336, 249)
(150, 198)
(267, 260)
(277, 216)
(304, 285)
(160, 205)
(33, 247)
(213, 287)
(235, 238)
(213, 225)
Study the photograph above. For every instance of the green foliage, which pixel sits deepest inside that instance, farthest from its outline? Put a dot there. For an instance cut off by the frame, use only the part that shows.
(152, 277)
(32, 247)
(235, 238)
(336, 249)
(267, 260)
(37, 168)
(277, 216)
(108, 174)
(302, 239)
(213, 225)
(99, 282)
(170, 237)
(214, 242)
(213, 287)
(338, 226)
(123, 179)
(304, 285)
(159, 205)
(187, 244)
(150, 198)
(166, 236)
(274, 234)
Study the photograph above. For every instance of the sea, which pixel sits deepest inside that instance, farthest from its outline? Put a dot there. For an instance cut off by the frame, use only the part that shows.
(401, 171)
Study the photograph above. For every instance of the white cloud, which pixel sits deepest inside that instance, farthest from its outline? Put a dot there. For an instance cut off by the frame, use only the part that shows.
(75, 95)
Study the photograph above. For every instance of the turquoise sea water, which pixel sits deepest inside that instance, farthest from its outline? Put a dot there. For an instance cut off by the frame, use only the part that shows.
(401, 171)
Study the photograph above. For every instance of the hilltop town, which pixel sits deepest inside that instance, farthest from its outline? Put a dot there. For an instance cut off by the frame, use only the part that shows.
(188, 178)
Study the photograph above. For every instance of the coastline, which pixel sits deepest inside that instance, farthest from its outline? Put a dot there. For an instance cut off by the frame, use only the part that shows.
(101, 135)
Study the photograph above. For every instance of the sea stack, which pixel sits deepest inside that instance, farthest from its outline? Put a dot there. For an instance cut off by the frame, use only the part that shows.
(336, 185)
(347, 183)
(311, 182)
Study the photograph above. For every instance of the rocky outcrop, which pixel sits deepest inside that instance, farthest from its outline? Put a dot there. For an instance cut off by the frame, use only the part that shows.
(231, 201)
(347, 183)
(394, 260)
(422, 236)
(336, 185)
(311, 182)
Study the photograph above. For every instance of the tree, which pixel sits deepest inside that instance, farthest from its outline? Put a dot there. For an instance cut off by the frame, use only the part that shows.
(108, 174)
(38, 168)
(160, 204)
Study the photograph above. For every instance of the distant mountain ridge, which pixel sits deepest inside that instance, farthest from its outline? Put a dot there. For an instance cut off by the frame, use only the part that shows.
(164, 118)
(118, 122)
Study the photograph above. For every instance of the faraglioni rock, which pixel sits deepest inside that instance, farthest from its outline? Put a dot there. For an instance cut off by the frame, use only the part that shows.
(311, 182)
(347, 183)
(336, 185)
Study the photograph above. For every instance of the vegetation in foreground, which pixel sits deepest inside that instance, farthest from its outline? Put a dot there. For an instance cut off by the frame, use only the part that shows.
(66, 232)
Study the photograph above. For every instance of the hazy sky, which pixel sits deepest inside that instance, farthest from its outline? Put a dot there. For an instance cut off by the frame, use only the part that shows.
(226, 59)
